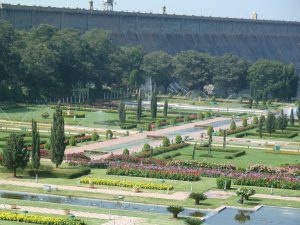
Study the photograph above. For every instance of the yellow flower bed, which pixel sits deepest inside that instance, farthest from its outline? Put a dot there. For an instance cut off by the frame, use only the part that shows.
(123, 183)
(8, 216)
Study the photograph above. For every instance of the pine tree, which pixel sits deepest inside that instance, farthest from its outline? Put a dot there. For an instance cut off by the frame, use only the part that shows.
(194, 151)
(210, 131)
(232, 125)
(35, 147)
(271, 123)
(153, 105)
(57, 137)
(122, 112)
(292, 118)
(166, 107)
(139, 109)
(14, 154)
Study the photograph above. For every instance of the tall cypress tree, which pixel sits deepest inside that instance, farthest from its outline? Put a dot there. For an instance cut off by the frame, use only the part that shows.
(210, 131)
(298, 114)
(271, 123)
(139, 109)
(35, 147)
(14, 154)
(292, 118)
(282, 121)
(122, 112)
(57, 137)
(153, 105)
(224, 138)
(260, 126)
(166, 107)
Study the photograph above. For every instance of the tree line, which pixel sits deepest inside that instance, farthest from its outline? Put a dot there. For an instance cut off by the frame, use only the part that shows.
(49, 63)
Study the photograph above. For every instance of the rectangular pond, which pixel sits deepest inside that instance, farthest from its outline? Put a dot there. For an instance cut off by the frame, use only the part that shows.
(264, 216)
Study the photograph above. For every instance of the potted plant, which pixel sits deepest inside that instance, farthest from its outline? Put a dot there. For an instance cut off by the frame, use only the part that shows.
(66, 211)
(136, 189)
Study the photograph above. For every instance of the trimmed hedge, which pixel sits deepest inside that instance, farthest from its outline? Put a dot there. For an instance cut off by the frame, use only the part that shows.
(124, 183)
(128, 126)
(161, 150)
(274, 135)
(62, 173)
(8, 216)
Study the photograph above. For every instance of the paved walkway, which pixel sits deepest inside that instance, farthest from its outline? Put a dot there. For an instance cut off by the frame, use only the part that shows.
(114, 219)
(175, 196)
(140, 136)
(227, 194)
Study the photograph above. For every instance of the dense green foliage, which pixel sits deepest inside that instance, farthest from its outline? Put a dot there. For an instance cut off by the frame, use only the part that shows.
(47, 63)
(122, 112)
(271, 123)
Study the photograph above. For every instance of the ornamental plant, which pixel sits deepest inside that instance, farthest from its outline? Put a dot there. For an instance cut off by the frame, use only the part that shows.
(126, 151)
(223, 183)
(72, 141)
(232, 125)
(244, 194)
(95, 136)
(197, 197)
(175, 210)
(146, 147)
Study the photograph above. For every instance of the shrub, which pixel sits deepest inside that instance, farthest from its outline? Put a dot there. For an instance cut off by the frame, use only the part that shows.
(8, 216)
(175, 210)
(197, 197)
(223, 182)
(95, 136)
(166, 142)
(62, 173)
(126, 151)
(124, 183)
(160, 150)
(192, 221)
(146, 147)
(200, 116)
(45, 115)
(178, 139)
(157, 124)
(197, 214)
(72, 141)
(128, 126)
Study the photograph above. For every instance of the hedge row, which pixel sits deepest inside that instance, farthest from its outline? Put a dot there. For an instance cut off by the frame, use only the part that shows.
(7, 216)
(124, 183)
(274, 135)
(238, 130)
(63, 173)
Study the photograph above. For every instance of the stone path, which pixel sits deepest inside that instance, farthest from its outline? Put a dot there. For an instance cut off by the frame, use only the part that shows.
(227, 194)
(175, 196)
(114, 219)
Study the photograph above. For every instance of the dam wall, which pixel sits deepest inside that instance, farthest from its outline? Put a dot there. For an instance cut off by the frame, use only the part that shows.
(251, 39)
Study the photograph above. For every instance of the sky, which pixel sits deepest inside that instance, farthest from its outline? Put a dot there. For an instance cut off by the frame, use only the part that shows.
(288, 10)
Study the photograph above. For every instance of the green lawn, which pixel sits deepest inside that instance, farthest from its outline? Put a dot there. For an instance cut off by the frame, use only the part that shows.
(253, 156)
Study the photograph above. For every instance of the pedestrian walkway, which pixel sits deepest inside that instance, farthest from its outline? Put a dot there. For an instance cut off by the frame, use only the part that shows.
(175, 196)
(113, 219)
(228, 194)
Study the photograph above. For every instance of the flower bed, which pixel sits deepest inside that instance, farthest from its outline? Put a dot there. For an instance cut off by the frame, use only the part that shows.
(260, 180)
(199, 164)
(7, 216)
(172, 173)
(124, 183)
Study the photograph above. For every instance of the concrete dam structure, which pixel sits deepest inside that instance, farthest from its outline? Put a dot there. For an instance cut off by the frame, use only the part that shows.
(251, 39)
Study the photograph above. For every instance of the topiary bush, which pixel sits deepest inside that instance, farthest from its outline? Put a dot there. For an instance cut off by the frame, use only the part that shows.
(232, 125)
(45, 115)
(126, 151)
(108, 134)
(197, 197)
(166, 142)
(95, 136)
(146, 148)
(223, 182)
(175, 210)
(178, 139)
